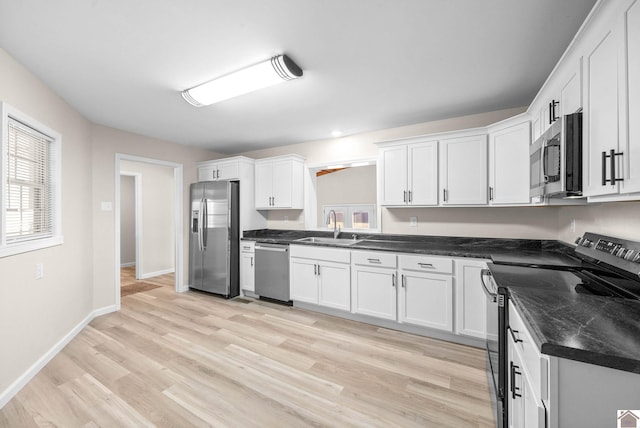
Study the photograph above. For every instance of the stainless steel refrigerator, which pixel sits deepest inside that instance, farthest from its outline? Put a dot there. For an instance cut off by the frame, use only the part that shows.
(214, 242)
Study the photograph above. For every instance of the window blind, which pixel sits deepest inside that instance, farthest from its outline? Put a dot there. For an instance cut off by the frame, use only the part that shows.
(29, 195)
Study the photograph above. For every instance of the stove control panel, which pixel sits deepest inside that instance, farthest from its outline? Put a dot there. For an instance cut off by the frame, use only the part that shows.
(621, 253)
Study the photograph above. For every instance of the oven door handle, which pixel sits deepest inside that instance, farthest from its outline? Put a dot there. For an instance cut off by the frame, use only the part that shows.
(492, 296)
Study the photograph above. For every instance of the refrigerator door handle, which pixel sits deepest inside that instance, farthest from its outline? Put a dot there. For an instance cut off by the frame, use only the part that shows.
(200, 227)
(205, 225)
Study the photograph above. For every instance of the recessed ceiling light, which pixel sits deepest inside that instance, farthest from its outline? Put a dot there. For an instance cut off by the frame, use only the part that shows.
(336, 133)
(262, 75)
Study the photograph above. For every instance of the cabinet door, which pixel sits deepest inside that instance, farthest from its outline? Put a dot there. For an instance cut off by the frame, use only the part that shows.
(471, 303)
(631, 149)
(335, 285)
(514, 393)
(426, 300)
(228, 171)
(463, 176)
(304, 281)
(282, 184)
(571, 92)
(247, 274)
(600, 119)
(263, 187)
(509, 165)
(206, 173)
(373, 292)
(423, 173)
(394, 175)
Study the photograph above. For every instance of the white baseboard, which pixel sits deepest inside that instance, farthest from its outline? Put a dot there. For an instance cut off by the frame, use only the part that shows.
(129, 264)
(18, 384)
(158, 273)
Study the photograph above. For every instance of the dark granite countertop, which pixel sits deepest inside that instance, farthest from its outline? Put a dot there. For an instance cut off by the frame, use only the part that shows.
(507, 251)
(598, 330)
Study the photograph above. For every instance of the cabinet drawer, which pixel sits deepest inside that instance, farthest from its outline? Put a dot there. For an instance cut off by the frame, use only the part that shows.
(247, 246)
(320, 253)
(534, 363)
(428, 264)
(374, 258)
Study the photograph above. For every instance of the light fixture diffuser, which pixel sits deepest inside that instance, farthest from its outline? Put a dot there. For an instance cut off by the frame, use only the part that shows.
(262, 75)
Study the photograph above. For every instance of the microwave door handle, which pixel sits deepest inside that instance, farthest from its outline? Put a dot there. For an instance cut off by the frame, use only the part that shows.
(545, 159)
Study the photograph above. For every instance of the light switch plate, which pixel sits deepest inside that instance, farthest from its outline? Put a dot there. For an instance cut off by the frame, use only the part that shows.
(106, 206)
(413, 221)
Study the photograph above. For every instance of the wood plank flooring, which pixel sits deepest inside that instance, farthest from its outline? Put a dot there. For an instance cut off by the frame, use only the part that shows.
(191, 359)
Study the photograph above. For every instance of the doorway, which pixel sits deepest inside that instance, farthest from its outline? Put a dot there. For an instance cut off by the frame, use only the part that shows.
(157, 228)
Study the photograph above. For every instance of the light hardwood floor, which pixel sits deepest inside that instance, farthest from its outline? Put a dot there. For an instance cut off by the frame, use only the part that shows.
(192, 359)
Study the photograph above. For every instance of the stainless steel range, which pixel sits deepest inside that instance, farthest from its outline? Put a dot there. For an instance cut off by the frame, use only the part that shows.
(603, 266)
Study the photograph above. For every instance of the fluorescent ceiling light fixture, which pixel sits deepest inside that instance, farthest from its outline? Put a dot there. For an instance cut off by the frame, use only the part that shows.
(262, 75)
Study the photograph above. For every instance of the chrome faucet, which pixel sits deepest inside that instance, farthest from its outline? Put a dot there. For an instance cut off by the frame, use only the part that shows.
(336, 229)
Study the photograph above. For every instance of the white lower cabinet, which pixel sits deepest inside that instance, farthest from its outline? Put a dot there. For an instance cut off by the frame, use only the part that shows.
(321, 276)
(425, 292)
(525, 409)
(471, 307)
(373, 284)
(247, 266)
(426, 300)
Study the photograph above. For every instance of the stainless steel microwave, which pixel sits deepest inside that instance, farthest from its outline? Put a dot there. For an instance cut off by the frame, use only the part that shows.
(556, 159)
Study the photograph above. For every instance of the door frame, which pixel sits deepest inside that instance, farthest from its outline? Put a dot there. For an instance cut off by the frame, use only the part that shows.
(178, 223)
(137, 192)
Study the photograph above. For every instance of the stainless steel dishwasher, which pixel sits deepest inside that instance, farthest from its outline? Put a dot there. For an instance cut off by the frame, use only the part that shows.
(272, 271)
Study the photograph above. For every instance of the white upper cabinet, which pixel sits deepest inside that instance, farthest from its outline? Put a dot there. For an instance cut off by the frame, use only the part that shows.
(571, 90)
(463, 170)
(631, 103)
(393, 169)
(409, 174)
(509, 163)
(221, 169)
(279, 183)
(600, 120)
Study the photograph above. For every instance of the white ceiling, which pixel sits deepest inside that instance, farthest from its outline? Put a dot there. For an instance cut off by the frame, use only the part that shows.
(368, 64)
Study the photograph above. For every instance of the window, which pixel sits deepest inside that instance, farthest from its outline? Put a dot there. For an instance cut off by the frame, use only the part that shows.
(351, 216)
(30, 190)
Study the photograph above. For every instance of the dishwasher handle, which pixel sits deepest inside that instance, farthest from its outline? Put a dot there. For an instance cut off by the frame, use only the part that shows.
(276, 248)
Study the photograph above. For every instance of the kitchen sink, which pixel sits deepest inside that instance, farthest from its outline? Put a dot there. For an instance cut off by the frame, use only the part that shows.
(335, 241)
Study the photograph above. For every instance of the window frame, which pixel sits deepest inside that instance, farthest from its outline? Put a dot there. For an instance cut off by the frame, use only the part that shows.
(348, 209)
(55, 151)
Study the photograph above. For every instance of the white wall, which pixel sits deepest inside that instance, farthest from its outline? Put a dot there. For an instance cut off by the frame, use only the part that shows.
(36, 314)
(620, 219)
(127, 220)
(157, 241)
(105, 143)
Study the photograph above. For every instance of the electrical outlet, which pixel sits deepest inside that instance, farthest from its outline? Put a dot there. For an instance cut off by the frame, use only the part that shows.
(286, 219)
(39, 270)
(413, 221)
(573, 225)
(106, 206)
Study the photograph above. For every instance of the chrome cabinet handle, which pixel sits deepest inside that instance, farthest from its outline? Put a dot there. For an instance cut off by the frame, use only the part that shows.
(376, 261)
(425, 265)
(410, 197)
(393, 280)
(490, 193)
(444, 195)
(404, 281)
(404, 197)
(251, 261)
(315, 270)
(318, 270)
